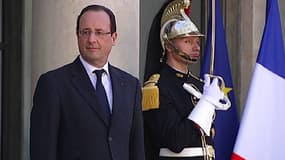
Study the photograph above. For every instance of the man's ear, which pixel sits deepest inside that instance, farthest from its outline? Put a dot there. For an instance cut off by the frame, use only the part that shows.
(168, 48)
(114, 38)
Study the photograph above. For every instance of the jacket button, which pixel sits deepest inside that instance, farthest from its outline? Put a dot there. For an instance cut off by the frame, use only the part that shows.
(110, 139)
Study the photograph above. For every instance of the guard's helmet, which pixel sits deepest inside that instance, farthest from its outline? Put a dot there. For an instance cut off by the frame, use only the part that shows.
(175, 23)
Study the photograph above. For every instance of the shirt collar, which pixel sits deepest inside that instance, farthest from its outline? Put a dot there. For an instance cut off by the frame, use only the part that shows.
(89, 68)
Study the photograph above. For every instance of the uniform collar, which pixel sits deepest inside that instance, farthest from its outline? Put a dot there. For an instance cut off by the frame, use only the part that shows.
(181, 75)
(177, 73)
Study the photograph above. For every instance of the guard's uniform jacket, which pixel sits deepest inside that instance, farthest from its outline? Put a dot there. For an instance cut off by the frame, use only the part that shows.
(166, 107)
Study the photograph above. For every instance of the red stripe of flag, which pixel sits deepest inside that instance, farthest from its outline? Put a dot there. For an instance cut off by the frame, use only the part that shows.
(236, 157)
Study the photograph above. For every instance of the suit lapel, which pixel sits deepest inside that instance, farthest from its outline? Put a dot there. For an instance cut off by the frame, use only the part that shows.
(121, 111)
(82, 83)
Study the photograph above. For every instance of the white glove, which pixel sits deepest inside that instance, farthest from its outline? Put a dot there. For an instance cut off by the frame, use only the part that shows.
(203, 112)
(213, 93)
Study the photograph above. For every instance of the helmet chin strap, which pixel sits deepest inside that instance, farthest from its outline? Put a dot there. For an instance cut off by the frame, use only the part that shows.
(186, 57)
(182, 54)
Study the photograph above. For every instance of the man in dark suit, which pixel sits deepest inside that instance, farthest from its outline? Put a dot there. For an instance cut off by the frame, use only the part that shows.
(80, 113)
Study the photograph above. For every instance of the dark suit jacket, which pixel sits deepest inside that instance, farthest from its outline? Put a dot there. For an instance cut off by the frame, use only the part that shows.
(67, 124)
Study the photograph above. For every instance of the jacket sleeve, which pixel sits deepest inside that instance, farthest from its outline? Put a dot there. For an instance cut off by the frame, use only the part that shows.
(137, 136)
(45, 117)
(169, 127)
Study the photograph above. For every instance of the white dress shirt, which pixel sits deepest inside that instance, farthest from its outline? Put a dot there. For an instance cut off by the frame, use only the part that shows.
(106, 79)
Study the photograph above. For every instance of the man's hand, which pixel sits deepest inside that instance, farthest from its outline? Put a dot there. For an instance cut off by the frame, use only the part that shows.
(213, 94)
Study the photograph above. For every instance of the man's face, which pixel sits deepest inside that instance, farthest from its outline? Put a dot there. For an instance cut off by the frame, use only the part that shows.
(95, 40)
(189, 45)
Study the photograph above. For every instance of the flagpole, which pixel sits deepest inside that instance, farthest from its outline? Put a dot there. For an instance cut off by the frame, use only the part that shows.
(213, 36)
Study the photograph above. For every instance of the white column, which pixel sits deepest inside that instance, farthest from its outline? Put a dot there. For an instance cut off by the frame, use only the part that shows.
(252, 23)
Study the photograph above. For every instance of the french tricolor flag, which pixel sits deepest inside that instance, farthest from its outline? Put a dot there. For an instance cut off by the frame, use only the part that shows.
(262, 129)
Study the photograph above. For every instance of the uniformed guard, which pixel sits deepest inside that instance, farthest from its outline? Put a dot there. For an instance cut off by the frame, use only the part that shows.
(178, 117)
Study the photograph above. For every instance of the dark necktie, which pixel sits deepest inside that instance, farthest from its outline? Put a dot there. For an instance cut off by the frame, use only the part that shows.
(101, 93)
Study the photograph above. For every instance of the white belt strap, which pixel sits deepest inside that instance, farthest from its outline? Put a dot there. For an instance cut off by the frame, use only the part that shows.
(186, 152)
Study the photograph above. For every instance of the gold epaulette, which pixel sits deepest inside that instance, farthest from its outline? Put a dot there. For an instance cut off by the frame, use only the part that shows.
(150, 93)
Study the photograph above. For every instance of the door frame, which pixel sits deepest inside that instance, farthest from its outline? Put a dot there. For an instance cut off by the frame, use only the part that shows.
(11, 72)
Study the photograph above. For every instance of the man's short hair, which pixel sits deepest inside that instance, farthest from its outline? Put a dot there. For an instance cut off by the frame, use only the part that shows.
(96, 7)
